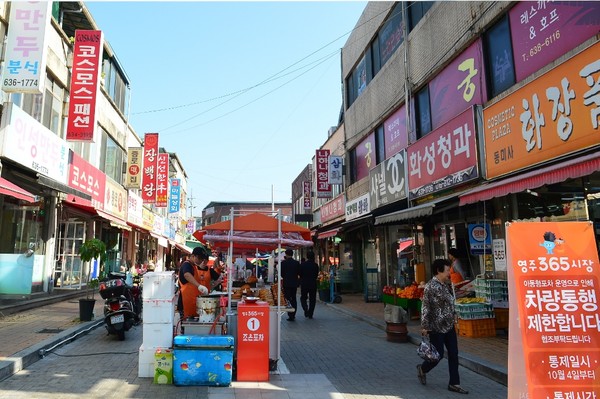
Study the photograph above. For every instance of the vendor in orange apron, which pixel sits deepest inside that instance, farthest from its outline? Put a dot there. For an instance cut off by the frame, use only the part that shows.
(457, 273)
(190, 281)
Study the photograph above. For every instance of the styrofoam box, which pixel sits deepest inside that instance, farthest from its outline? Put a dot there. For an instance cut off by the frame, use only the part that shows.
(158, 335)
(158, 310)
(159, 285)
(146, 364)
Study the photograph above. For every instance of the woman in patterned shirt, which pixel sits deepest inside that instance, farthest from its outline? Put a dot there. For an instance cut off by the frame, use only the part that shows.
(437, 321)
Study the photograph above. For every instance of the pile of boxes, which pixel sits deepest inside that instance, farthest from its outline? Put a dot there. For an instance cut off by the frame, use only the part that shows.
(159, 301)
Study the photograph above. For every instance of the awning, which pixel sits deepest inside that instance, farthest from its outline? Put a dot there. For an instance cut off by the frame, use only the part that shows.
(328, 233)
(8, 188)
(553, 174)
(58, 186)
(114, 221)
(184, 248)
(138, 227)
(162, 241)
(406, 214)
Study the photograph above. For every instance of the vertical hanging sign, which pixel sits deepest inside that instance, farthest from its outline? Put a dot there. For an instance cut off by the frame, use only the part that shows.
(306, 194)
(134, 167)
(24, 69)
(162, 180)
(85, 79)
(335, 170)
(174, 197)
(149, 169)
(323, 186)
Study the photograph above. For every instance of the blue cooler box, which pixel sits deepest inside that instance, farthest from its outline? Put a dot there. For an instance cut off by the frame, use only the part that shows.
(203, 360)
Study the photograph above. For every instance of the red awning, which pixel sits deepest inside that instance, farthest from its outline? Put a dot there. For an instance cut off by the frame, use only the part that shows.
(328, 233)
(560, 172)
(8, 188)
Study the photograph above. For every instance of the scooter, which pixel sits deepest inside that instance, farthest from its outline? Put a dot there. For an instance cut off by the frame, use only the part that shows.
(122, 304)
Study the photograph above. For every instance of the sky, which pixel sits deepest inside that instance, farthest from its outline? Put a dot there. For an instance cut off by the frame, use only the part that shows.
(242, 92)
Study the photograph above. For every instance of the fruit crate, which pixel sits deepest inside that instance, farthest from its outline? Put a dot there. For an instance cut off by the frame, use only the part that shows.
(477, 328)
(472, 311)
(491, 289)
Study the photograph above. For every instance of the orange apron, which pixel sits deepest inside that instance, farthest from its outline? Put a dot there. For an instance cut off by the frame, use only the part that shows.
(204, 278)
(454, 276)
(189, 293)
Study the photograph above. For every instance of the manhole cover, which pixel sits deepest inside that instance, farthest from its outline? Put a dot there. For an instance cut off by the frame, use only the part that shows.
(50, 331)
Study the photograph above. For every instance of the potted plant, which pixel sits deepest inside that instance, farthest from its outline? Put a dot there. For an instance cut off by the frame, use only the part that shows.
(323, 286)
(90, 250)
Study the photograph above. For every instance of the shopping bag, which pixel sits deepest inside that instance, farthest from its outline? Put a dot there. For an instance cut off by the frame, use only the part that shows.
(427, 351)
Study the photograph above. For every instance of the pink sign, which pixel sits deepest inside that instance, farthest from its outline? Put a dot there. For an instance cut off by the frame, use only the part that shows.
(85, 76)
(396, 134)
(162, 180)
(366, 158)
(150, 168)
(85, 177)
(333, 209)
(542, 31)
(459, 86)
(444, 158)
(323, 186)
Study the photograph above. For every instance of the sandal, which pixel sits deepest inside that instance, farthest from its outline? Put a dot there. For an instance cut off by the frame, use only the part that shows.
(422, 376)
(457, 388)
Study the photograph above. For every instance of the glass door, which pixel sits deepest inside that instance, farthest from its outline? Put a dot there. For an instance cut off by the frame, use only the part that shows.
(69, 271)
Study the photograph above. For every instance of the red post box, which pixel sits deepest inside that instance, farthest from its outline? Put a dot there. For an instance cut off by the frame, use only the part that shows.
(253, 341)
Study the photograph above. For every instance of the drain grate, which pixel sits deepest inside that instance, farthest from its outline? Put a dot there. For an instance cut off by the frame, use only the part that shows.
(50, 331)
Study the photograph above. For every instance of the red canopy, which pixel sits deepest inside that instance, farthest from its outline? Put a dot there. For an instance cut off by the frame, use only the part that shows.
(254, 231)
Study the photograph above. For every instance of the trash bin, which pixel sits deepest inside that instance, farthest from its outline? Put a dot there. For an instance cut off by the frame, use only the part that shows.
(203, 360)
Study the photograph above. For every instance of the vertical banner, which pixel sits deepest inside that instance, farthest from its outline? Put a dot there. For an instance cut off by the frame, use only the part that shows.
(85, 79)
(307, 194)
(174, 197)
(554, 269)
(162, 180)
(149, 169)
(323, 187)
(134, 167)
(24, 69)
(335, 169)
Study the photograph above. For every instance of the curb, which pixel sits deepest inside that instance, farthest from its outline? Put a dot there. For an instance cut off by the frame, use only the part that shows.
(472, 362)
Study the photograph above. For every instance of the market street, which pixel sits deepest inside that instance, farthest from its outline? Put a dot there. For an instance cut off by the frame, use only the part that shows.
(331, 356)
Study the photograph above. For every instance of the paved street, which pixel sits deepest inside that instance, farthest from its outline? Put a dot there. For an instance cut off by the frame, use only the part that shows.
(331, 356)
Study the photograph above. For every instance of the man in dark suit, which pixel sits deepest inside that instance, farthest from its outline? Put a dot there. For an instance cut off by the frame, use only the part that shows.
(290, 273)
(309, 271)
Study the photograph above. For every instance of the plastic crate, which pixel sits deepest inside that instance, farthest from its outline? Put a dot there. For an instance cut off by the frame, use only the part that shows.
(477, 328)
(501, 318)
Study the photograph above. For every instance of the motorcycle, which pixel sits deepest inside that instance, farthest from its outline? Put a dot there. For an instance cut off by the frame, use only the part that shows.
(122, 303)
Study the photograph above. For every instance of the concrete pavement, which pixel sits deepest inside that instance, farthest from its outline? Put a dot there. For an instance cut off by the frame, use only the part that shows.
(337, 354)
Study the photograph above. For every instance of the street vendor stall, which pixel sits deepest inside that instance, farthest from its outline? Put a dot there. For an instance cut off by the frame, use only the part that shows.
(252, 233)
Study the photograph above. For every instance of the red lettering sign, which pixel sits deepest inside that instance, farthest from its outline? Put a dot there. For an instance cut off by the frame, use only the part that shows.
(150, 168)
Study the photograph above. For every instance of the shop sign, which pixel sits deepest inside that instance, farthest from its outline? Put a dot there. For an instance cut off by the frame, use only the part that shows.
(158, 225)
(358, 207)
(553, 272)
(396, 133)
(335, 169)
(134, 167)
(322, 165)
(85, 177)
(174, 197)
(444, 158)
(85, 80)
(306, 191)
(162, 180)
(29, 143)
(554, 115)
(333, 209)
(499, 251)
(115, 199)
(387, 181)
(24, 69)
(150, 168)
(480, 239)
(365, 157)
(543, 31)
(147, 219)
(459, 86)
(135, 204)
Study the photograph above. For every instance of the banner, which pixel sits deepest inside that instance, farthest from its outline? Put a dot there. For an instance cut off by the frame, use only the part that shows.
(323, 186)
(553, 267)
(134, 167)
(85, 79)
(162, 180)
(24, 69)
(149, 169)
(174, 198)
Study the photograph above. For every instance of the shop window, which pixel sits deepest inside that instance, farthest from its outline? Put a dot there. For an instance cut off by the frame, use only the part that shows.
(353, 166)
(416, 11)
(380, 144)
(500, 66)
(423, 112)
(111, 158)
(391, 35)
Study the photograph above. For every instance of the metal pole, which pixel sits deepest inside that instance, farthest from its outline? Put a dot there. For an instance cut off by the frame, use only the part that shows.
(278, 284)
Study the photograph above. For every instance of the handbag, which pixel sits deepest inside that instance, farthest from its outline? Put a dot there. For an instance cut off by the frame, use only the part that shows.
(427, 351)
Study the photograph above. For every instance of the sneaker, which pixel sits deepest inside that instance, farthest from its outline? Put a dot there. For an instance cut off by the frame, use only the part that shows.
(423, 377)
(458, 389)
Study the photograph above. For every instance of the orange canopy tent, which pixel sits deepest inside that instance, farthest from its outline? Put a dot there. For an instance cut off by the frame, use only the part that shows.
(254, 231)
